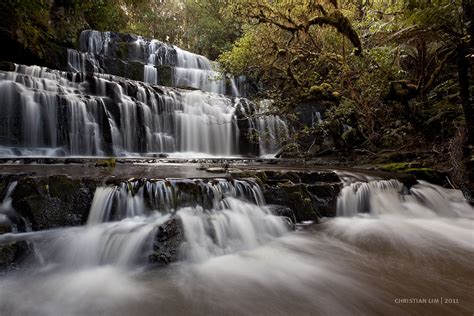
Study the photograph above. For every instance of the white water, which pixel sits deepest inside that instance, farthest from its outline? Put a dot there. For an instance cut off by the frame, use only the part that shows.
(9, 218)
(58, 115)
(196, 71)
(409, 246)
(239, 226)
(271, 130)
(52, 113)
(189, 70)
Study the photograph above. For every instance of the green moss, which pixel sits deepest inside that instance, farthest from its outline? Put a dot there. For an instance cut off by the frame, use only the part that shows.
(121, 50)
(420, 171)
(262, 176)
(134, 71)
(394, 166)
(108, 163)
(322, 89)
(165, 75)
(62, 187)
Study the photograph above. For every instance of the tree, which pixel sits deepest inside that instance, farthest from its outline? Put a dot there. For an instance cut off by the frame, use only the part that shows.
(282, 38)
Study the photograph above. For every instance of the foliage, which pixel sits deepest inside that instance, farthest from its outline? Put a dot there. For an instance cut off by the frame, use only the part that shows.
(199, 26)
(410, 63)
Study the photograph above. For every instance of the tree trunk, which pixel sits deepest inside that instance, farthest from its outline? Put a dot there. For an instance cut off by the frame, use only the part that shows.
(463, 77)
(467, 105)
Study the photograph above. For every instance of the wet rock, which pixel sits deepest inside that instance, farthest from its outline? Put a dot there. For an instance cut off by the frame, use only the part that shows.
(294, 196)
(7, 252)
(165, 75)
(7, 66)
(216, 170)
(308, 177)
(318, 176)
(325, 197)
(54, 201)
(12, 254)
(282, 210)
(168, 239)
(409, 172)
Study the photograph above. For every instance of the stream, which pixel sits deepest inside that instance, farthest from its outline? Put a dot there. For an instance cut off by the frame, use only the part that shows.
(391, 250)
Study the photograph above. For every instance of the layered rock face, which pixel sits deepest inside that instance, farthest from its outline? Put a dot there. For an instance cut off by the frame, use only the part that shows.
(94, 109)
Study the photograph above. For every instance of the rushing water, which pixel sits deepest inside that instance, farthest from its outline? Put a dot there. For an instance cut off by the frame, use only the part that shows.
(52, 113)
(89, 112)
(391, 251)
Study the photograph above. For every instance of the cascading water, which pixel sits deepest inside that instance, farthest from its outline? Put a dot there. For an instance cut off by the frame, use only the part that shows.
(8, 216)
(391, 197)
(196, 71)
(419, 239)
(89, 113)
(64, 114)
(222, 217)
(239, 226)
(271, 130)
(189, 70)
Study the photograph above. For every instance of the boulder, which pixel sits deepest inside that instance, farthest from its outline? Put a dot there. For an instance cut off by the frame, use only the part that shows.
(168, 239)
(294, 196)
(54, 201)
(325, 197)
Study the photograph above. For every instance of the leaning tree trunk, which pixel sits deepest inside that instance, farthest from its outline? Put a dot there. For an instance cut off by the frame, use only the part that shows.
(467, 103)
(464, 67)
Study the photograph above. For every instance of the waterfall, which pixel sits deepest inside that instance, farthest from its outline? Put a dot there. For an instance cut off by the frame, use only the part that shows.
(94, 42)
(141, 198)
(196, 71)
(189, 70)
(238, 227)
(49, 112)
(56, 115)
(271, 130)
(218, 216)
(392, 198)
(87, 112)
(207, 122)
(232, 249)
(8, 216)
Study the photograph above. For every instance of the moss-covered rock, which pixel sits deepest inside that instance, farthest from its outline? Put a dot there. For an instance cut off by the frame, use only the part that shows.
(54, 201)
(165, 75)
(108, 163)
(417, 169)
(294, 196)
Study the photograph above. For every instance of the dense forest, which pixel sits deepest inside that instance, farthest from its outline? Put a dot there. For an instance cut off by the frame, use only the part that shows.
(392, 79)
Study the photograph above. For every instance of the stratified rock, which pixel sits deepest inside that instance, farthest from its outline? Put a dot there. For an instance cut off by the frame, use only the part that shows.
(294, 196)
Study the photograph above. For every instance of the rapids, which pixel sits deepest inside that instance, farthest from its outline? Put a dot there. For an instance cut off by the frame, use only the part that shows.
(388, 245)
